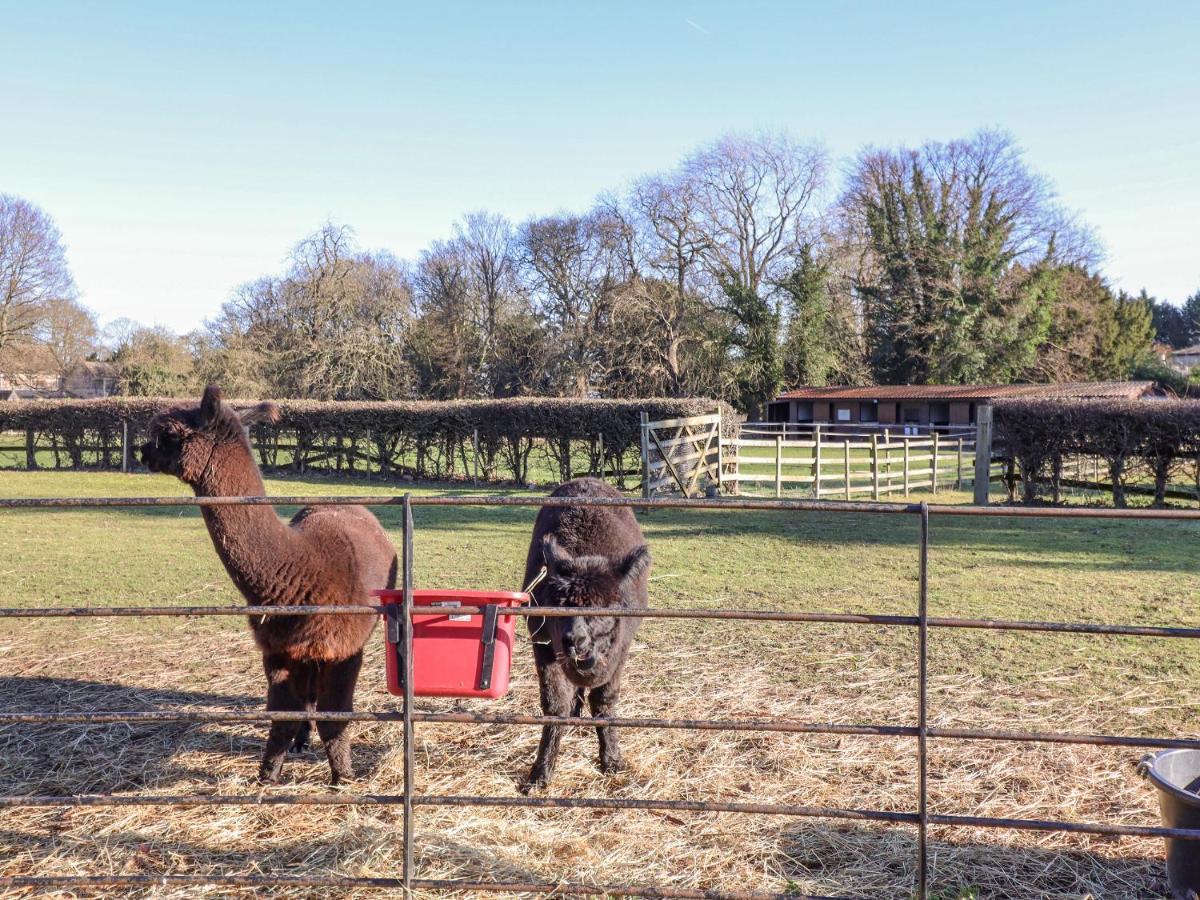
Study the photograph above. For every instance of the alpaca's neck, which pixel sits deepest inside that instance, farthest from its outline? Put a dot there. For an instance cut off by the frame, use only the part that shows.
(252, 541)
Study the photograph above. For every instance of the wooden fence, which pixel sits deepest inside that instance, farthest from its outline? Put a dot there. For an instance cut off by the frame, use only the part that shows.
(681, 455)
(847, 467)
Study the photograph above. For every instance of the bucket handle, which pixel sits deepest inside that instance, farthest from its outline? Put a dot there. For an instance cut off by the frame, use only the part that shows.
(1143, 765)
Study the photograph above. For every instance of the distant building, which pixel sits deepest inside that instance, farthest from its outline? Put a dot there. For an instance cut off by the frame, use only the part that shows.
(925, 406)
(1186, 359)
(83, 380)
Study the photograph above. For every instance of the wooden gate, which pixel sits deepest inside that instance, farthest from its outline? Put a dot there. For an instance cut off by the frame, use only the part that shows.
(681, 456)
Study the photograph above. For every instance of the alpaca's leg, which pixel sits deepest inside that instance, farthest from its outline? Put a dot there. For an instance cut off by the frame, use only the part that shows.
(304, 736)
(603, 701)
(559, 698)
(301, 740)
(335, 693)
(286, 683)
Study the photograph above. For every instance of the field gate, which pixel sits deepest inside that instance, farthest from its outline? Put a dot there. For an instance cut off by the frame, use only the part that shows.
(681, 456)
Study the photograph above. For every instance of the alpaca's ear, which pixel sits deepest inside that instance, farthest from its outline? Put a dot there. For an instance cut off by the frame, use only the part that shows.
(210, 405)
(636, 564)
(557, 559)
(266, 413)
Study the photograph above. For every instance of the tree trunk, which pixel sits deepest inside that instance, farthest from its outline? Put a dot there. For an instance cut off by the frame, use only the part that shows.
(1116, 471)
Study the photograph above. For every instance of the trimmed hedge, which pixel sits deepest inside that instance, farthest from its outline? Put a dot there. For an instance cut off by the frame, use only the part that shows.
(1134, 437)
(421, 439)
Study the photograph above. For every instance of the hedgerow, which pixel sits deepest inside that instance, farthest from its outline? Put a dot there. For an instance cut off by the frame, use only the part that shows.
(420, 439)
(1131, 436)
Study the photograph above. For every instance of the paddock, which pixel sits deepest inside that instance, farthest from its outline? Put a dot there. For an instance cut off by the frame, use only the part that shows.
(839, 752)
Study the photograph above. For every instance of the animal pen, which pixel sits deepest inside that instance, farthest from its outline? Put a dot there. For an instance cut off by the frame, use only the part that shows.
(408, 879)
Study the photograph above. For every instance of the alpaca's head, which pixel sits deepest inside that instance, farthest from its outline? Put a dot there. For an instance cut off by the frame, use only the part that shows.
(596, 582)
(186, 441)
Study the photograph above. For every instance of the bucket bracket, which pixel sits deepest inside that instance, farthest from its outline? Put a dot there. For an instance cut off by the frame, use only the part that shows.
(489, 647)
(395, 636)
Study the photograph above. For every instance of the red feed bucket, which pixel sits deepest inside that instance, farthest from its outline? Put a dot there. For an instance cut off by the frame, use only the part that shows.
(454, 655)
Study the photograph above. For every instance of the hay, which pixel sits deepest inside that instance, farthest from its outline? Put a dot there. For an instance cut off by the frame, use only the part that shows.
(815, 674)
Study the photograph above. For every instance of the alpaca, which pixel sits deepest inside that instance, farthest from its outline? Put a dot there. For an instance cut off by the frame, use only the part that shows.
(594, 557)
(330, 555)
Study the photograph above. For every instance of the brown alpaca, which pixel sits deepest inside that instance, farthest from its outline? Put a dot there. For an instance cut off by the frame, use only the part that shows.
(332, 555)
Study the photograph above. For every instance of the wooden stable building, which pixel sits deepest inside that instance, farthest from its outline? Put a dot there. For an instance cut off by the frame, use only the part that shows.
(919, 407)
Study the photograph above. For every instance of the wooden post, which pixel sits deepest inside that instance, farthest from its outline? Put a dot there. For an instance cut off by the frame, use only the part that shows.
(958, 479)
(907, 451)
(778, 465)
(817, 469)
(475, 455)
(933, 464)
(720, 457)
(875, 466)
(846, 447)
(30, 450)
(600, 451)
(645, 455)
(983, 453)
(124, 445)
(887, 457)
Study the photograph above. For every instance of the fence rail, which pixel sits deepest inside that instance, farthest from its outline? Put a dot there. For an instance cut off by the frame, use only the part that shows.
(851, 465)
(921, 732)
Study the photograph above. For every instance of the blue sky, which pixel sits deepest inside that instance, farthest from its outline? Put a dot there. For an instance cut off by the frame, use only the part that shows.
(184, 148)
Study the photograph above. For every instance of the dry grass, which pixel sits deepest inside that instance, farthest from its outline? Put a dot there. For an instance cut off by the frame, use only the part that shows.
(684, 850)
(814, 673)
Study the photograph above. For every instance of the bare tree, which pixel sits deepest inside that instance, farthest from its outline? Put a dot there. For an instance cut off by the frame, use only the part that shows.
(68, 332)
(756, 197)
(332, 327)
(573, 264)
(33, 268)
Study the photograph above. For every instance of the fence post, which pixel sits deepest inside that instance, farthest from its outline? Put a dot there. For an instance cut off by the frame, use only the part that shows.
(600, 451)
(846, 447)
(407, 675)
(933, 464)
(645, 455)
(906, 455)
(887, 458)
(124, 445)
(30, 450)
(958, 479)
(817, 469)
(875, 466)
(923, 705)
(778, 465)
(475, 457)
(983, 453)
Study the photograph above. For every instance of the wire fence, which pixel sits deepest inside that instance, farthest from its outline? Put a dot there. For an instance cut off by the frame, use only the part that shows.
(920, 819)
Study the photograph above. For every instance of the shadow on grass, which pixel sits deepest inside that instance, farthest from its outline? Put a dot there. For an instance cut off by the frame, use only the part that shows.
(107, 757)
(887, 857)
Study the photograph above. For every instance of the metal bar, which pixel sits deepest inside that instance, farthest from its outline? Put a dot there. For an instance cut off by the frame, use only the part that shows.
(1164, 631)
(739, 503)
(537, 612)
(407, 550)
(605, 803)
(425, 884)
(923, 706)
(463, 718)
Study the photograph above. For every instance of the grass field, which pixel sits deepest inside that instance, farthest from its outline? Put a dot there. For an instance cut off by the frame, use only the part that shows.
(1070, 570)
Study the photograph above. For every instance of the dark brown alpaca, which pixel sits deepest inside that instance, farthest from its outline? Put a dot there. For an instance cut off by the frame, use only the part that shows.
(594, 557)
(332, 555)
